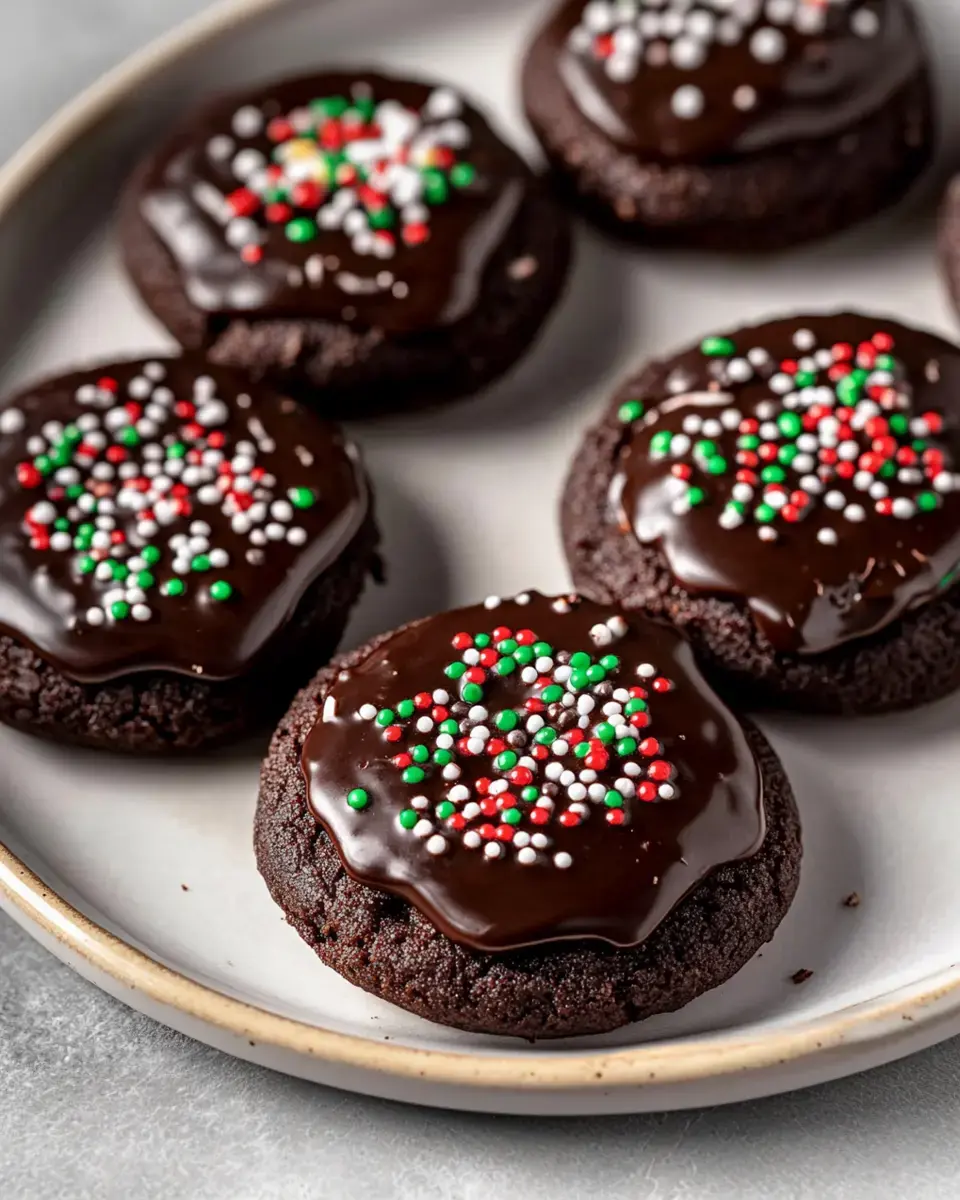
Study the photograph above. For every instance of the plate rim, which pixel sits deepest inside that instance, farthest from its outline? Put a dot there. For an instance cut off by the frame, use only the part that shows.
(892, 1018)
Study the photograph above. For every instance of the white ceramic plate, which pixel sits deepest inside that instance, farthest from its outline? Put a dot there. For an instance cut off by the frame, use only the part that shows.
(142, 875)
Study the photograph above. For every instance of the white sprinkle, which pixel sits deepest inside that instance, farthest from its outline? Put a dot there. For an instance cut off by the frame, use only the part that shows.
(247, 121)
(646, 670)
(835, 500)
(744, 97)
(492, 850)
(526, 855)
(904, 508)
(95, 616)
(687, 54)
(436, 844)
(140, 612)
(492, 602)
(600, 634)
(441, 696)
(855, 513)
(562, 860)
(687, 102)
(471, 839)
(367, 712)
(827, 537)
(423, 829)
(768, 45)
(767, 533)
(865, 23)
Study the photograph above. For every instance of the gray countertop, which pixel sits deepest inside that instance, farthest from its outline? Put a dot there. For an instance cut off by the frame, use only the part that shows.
(96, 1100)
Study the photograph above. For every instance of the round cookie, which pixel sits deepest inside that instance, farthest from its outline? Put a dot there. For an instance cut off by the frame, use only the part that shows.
(368, 242)
(179, 550)
(786, 495)
(528, 817)
(750, 126)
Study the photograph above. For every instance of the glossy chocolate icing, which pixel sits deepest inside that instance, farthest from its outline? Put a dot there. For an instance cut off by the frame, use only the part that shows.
(594, 879)
(836, 574)
(419, 288)
(714, 81)
(48, 602)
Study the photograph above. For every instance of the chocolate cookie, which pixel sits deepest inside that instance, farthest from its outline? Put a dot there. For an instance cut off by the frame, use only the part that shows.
(752, 125)
(787, 495)
(528, 817)
(370, 243)
(177, 550)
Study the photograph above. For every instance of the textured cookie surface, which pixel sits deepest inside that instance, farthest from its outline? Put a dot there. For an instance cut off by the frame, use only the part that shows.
(554, 865)
(368, 236)
(171, 537)
(787, 495)
(752, 126)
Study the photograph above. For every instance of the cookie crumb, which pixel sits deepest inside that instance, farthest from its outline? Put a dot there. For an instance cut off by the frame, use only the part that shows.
(801, 976)
(852, 901)
(184, 888)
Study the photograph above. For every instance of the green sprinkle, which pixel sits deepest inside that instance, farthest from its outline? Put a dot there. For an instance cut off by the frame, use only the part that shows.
(435, 187)
(406, 708)
(455, 670)
(927, 501)
(580, 661)
(301, 497)
(144, 579)
(899, 423)
(43, 464)
(613, 799)
(366, 106)
(542, 649)
(805, 379)
(717, 347)
(786, 454)
(119, 609)
(420, 753)
(627, 746)
(507, 720)
(505, 666)
(463, 174)
(529, 794)
(705, 449)
(631, 411)
(75, 490)
(749, 441)
(605, 732)
(408, 817)
(117, 570)
(300, 229)
(200, 562)
(442, 757)
(609, 662)
(505, 761)
(716, 464)
(471, 693)
(72, 435)
(128, 436)
(581, 749)
(790, 424)
(86, 564)
(546, 736)
(552, 693)
(445, 809)
(512, 816)
(358, 799)
(736, 506)
(696, 496)
(385, 716)
(635, 706)
(764, 514)
(413, 775)
(888, 470)
(173, 587)
(221, 590)
(848, 390)
(660, 442)
(330, 106)
(507, 646)
(596, 673)
(381, 218)
(176, 450)
(482, 641)
(773, 474)
(524, 655)
(449, 726)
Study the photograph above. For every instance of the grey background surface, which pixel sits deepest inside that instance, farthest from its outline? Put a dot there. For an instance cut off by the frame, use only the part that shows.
(97, 1101)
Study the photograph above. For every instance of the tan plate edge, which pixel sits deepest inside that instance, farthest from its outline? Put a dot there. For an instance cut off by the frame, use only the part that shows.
(890, 1019)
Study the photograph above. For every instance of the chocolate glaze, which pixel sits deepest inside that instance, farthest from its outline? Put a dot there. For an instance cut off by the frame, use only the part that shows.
(806, 597)
(422, 287)
(624, 879)
(822, 84)
(44, 597)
